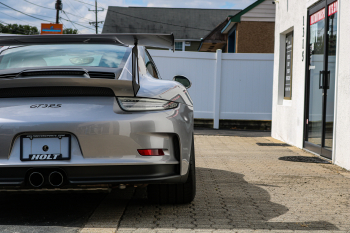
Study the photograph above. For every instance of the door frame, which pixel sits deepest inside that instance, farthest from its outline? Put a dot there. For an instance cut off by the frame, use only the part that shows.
(307, 145)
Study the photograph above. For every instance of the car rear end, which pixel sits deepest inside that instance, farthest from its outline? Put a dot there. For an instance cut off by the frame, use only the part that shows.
(90, 140)
(70, 116)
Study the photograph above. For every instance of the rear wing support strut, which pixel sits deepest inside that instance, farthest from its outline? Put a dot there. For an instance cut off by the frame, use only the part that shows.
(135, 68)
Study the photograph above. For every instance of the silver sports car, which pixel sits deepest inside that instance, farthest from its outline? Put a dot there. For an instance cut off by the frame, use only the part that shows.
(79, 110)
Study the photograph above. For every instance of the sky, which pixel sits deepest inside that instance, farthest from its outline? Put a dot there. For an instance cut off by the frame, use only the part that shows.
(78, 12)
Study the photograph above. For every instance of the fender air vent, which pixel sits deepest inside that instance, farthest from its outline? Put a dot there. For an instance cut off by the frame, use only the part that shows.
(105, 75)
(55, 92)
(8, 75)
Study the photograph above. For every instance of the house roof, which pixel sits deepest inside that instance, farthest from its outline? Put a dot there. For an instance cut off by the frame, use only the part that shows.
(214, 40)
(260, 10)
(237, 17)
(257, 15)
(185, 23)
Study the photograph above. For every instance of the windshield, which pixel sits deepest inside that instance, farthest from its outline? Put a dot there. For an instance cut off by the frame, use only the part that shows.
(97, 55)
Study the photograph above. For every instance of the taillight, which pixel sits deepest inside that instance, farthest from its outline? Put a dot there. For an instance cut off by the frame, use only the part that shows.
(144, 104)
(151, 152)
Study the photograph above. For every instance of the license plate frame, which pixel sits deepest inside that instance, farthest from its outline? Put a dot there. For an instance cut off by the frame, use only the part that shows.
(49, 156)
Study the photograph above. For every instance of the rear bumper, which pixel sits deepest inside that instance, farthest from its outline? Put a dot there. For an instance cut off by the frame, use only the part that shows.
(112, 174)
(102, 134)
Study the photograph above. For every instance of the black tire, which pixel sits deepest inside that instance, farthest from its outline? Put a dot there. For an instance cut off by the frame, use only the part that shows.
(175, 193)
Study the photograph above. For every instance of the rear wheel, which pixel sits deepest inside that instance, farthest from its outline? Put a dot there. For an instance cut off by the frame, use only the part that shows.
(175, 193)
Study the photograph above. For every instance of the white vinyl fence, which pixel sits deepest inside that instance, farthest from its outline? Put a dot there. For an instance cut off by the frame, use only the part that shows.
(231, 86)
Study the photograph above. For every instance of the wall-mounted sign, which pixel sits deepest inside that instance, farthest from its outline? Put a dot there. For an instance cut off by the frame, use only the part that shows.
(49, 28)
(289, 67)
(332, 8)
(318, 16)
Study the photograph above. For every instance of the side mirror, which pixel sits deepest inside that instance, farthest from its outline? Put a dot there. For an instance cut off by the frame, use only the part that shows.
(183, 80)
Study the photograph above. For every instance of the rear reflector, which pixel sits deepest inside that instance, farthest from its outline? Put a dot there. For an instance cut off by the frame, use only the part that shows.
(151, 152)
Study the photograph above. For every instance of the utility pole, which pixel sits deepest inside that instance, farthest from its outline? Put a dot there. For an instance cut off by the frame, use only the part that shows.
(58, 7)
(96, 22)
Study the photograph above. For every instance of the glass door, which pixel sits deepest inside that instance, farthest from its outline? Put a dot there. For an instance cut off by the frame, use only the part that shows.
(322, 36)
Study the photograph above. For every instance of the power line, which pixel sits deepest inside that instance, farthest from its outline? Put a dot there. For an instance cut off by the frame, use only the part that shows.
(61, 17)
(77, 23)
(86, 19)
(39, 5)
(21, 19)
(72, 8)
(42, 16)
(55, 9)
(69, 20)
(25, 13)
(153, 21)
(14, 17)
(84, 2)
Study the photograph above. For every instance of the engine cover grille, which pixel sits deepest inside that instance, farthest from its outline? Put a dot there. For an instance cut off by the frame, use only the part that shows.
(107, 75)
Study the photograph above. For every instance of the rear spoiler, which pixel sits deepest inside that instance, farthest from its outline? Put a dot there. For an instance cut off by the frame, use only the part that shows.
(137, 39)
(143, 39)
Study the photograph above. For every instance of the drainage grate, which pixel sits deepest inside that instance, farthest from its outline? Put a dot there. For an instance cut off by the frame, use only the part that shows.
(272, 144)
(303, 159)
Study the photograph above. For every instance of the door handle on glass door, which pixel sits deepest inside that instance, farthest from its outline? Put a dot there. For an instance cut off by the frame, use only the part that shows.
(320, 79)
(328, 79)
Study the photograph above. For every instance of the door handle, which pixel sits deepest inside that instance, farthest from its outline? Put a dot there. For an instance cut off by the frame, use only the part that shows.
(320, 80)
(328, 79)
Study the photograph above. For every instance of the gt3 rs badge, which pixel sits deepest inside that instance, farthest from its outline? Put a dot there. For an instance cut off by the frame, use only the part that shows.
(46, 106)
(45, 157)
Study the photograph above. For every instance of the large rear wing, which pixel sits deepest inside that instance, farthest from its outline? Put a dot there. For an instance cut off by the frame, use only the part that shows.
(142, 39)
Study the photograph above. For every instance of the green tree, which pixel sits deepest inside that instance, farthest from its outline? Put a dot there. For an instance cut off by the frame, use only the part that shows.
(18, 29)
(70, 31)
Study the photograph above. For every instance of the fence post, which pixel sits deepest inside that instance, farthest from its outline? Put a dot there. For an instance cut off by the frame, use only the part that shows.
(217, 89)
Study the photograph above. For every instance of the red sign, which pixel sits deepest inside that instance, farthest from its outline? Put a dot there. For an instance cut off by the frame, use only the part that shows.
(318, 16)
(333, 8)
(50, 28)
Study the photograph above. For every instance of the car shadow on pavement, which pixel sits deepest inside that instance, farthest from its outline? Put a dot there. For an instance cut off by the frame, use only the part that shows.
(58, 211)
(224, 201)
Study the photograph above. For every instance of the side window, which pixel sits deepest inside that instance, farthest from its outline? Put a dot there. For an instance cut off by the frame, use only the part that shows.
(151, 68)
(288, 67)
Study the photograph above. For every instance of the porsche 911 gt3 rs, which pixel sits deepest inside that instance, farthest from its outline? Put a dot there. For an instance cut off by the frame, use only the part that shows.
(93, 109)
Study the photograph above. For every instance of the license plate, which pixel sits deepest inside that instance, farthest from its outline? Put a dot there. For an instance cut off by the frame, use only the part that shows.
(48, 147)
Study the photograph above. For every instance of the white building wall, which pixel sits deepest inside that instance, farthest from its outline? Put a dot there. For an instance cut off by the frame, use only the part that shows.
(288, 115)
(341, 151)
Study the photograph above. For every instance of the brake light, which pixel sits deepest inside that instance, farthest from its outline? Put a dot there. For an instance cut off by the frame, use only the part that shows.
(151, 152)
(144, 104)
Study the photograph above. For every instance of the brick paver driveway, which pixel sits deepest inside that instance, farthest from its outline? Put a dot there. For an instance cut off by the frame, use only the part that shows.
(242, 187)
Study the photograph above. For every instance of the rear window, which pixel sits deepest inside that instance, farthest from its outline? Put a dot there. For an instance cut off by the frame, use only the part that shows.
(98, 55)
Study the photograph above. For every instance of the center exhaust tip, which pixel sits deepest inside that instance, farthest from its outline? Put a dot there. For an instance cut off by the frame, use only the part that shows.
(56, 179)
(36, 179)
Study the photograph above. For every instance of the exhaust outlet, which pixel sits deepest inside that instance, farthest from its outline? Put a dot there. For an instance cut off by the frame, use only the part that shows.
(56, 179)
(36, 179)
